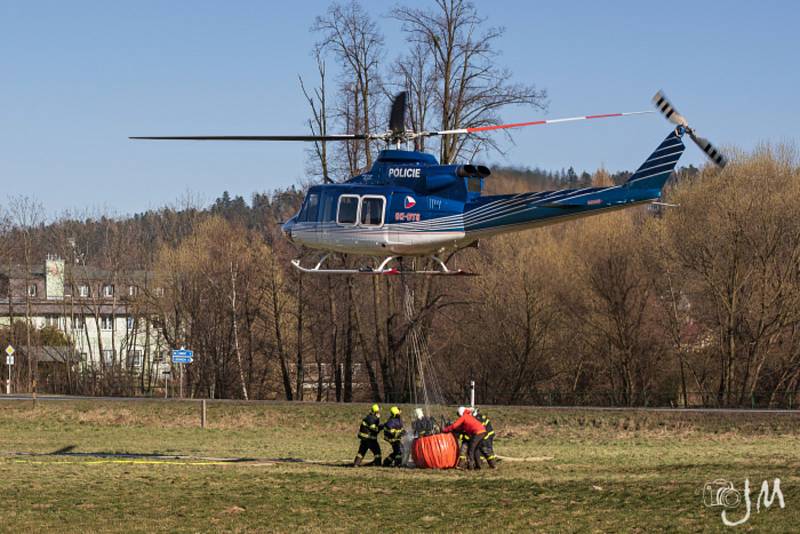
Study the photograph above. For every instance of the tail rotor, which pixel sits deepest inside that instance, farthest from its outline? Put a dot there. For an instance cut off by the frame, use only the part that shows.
(668, 110)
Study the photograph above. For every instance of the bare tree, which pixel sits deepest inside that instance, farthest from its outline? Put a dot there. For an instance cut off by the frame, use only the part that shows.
(317, 100)
(470, 88)
(353, 37)
(26, 216)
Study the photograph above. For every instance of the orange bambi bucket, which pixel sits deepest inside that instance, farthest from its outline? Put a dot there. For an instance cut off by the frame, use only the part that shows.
(439, 451)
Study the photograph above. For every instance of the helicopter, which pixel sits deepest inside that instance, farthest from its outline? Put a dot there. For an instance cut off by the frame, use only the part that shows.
(408, 205)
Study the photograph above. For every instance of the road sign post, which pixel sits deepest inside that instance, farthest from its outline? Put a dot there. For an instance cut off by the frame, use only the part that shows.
(182, 356)
(9, 362)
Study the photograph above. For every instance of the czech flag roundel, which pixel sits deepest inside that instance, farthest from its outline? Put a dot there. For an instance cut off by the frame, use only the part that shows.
(410, 202)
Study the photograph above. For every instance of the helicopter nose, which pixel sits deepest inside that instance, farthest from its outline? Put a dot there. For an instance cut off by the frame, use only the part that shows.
(286, 228)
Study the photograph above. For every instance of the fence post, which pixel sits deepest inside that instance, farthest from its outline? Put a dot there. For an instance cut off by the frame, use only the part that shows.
(203, 413)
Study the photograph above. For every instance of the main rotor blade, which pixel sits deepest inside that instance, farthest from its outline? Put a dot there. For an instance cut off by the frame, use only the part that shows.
(668, 110)
(342, 137)
(397, 117)
(535, 123)
(711, 151)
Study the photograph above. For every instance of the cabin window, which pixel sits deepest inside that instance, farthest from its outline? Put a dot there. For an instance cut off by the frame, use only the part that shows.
(372, 211)
(309, 213)
(474, 185)
(348, 209)
(328, 207)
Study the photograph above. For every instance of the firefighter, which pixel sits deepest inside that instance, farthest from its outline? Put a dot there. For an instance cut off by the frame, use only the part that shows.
(463, 447)
(467, 423)
(393, 432)
(487, 447)
(368, 434)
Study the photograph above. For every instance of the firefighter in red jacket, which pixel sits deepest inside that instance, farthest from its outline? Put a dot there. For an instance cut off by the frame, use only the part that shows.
(467, 424)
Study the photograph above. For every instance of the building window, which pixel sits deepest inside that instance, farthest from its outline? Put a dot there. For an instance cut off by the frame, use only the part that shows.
(134, 358)
(106, 322)
(83, 290)
(78, 322)
(131, 323)
(159, 291)
(108, 290)
(53, 321)
(108, 356)
(133, 291)
(32, 290)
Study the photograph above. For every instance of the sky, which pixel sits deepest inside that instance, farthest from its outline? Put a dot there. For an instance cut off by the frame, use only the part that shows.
(77, 78)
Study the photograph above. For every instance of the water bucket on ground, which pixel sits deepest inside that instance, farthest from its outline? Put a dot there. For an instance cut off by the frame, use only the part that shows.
(439, 451)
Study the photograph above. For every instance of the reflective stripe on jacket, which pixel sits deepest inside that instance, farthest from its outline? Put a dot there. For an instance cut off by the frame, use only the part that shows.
(393, 429)
(370, 427)
(486, 423)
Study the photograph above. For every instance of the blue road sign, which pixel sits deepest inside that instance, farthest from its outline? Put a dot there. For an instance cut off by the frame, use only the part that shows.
(182, 356)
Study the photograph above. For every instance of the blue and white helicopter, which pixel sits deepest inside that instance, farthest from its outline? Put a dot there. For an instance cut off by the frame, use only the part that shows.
(407, 205)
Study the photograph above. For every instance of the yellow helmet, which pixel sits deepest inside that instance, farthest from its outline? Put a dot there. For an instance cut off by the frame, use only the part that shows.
(376, 408)
(395, 410)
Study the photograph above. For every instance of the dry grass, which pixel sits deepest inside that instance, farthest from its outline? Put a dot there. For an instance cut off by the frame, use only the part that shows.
(580, 470)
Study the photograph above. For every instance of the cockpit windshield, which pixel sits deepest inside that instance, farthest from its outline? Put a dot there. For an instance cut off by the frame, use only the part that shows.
(310, 208)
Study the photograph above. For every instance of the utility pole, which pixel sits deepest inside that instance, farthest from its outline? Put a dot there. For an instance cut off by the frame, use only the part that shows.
(472, 394)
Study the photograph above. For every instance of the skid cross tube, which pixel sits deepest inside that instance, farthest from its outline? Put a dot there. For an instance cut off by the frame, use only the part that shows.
(382, 269)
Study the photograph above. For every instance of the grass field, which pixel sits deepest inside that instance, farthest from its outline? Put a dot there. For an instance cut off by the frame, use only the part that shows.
(565, 470)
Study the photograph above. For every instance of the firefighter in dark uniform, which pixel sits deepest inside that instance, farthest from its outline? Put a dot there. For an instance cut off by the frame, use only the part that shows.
(463, 447)
(487, 447)
(368, 434)
(393, 433)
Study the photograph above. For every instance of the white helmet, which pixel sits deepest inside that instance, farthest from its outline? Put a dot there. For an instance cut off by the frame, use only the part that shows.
(461, 410)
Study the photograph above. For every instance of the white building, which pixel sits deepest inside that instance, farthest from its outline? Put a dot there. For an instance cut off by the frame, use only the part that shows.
(102, 313)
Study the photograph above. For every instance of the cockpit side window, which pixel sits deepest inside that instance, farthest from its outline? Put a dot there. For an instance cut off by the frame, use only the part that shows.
(372, 211)
(348, 209)
(309, 212)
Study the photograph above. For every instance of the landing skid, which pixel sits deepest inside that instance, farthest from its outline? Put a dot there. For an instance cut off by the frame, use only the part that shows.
(382, 269)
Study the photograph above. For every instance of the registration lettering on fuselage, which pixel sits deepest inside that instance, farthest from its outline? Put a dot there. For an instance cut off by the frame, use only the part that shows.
(404, 172)
(407, 217)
